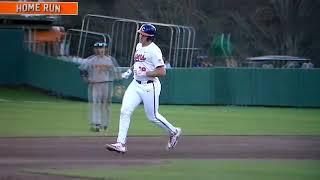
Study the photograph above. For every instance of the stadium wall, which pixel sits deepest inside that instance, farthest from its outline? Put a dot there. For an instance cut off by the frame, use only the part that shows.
(203, 86)
(243, 86)
(54, 75)
(12, 54)
(219, 86)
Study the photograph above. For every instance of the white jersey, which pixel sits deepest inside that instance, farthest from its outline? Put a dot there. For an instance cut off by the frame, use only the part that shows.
(147, 58)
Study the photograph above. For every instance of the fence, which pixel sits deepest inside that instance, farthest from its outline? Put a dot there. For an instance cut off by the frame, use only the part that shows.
(243, 86)
(204, 86)
(177, 46)
(211, 86)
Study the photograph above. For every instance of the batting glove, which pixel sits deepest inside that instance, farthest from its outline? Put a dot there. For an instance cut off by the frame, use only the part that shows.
(83, 73)
(126, 74)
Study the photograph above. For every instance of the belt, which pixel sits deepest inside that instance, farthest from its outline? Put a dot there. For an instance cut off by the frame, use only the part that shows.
(144, 82)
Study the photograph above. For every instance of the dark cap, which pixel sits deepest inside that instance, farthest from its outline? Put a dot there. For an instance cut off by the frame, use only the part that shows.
(100, 44)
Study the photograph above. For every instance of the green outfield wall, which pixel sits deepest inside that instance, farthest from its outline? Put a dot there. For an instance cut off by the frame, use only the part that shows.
(11, 55)
(243, 86)
(53, 75)
(222, 86)
(217, 86)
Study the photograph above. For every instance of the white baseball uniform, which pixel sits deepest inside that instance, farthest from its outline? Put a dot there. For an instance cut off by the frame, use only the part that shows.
(143, 89)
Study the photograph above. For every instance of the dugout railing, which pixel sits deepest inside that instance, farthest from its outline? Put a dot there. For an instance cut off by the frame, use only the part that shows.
(178, 48)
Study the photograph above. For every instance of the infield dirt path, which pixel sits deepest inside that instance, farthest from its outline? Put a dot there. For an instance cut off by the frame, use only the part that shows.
(19, 154)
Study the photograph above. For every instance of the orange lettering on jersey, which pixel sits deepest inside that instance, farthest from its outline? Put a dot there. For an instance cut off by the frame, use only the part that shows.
(139, 58)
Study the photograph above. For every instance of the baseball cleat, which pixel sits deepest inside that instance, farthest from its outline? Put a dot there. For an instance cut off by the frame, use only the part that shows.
(117, 147)
(173, 139)
(96, 128)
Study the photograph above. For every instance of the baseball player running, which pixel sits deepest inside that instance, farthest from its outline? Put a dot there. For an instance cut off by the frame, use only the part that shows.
(145, 87)
(99, 72)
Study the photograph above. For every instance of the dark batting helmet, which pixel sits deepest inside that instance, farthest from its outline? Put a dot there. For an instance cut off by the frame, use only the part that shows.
(147, 30)
(100, 45)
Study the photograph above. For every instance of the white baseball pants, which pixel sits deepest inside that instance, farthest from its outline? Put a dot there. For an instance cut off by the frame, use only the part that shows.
(148, 93)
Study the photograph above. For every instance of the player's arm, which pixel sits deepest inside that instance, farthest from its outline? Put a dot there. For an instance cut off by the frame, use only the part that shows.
(157, 61)
(158, 72)
(84, 75)
(84, 71)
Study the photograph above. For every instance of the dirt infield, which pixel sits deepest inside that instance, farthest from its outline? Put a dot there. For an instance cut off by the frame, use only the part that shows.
(18, 155)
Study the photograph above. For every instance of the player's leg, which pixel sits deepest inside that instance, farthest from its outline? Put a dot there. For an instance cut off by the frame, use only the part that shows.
(90, 105)
(151, 106)
(96, 103)
(92, 108)
(130, 101)
(106, 104)
(109, 102)
(150, 98)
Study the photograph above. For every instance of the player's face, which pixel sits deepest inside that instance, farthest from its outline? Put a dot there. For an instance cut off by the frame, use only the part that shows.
(100, 51)
(95, 50)
(143, 39)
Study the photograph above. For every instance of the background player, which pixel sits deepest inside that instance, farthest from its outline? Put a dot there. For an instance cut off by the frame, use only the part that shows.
(99, 72)
(145, 88)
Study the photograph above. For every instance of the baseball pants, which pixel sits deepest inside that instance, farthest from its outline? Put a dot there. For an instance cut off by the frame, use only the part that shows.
(100, 96)
(148, 93)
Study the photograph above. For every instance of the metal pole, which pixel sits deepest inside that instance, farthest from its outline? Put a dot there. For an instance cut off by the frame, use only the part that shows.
(85, 38)
(182, 45)
(170, 46)
(188, 46)
(177, 46)
(121, 39)
(67, 46)
(114, 40)
(193, 41)
(132, 41)
(80, 40)
(126, 39)
(135, 42)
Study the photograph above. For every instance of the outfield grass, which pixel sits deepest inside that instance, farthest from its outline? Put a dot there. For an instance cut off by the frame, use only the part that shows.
(28, 113)
(209, 169)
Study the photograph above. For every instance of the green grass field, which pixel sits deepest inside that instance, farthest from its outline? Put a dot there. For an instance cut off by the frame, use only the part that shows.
(209, 169)
(28, 113)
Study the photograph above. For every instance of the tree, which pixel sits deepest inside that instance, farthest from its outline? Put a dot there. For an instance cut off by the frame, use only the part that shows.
(282, 28)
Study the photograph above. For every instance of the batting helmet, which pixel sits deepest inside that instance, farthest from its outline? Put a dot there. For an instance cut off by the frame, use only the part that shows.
(100, 44)
(147, 30)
